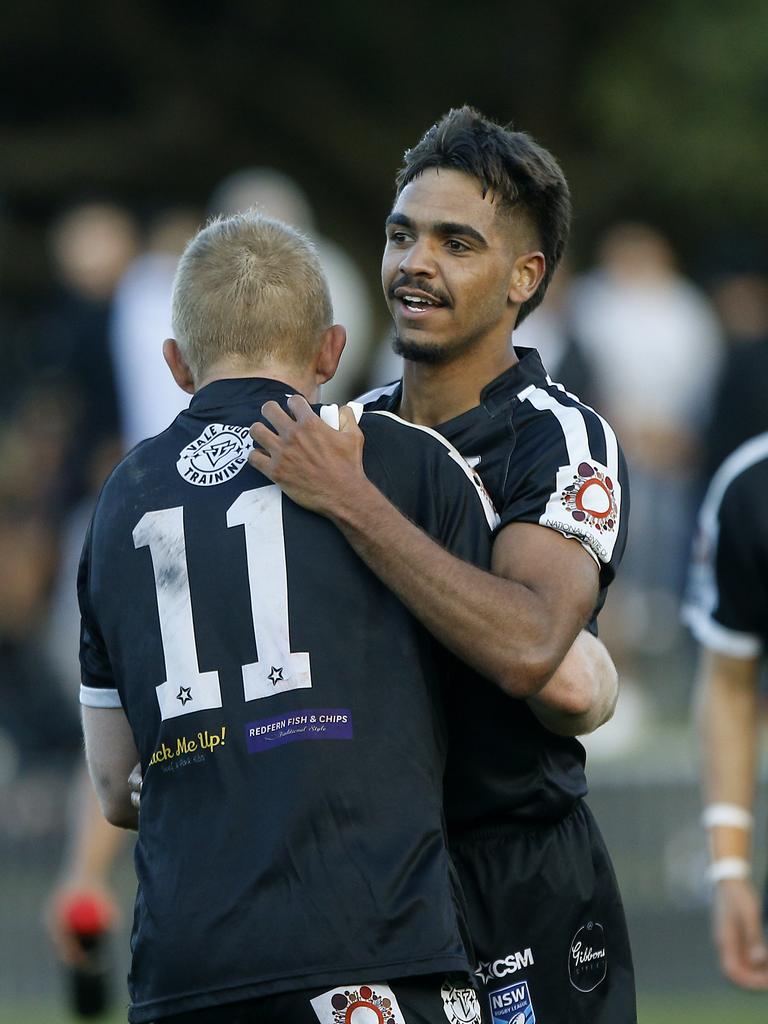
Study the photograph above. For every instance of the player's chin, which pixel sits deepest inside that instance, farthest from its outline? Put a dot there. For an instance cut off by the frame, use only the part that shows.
(419, 348)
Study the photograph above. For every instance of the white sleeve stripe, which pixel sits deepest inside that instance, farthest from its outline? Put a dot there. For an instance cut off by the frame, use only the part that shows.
(491, 515)
(95, 697)
(574, 427)
(330, 413)
(720, 638)
(611, 441)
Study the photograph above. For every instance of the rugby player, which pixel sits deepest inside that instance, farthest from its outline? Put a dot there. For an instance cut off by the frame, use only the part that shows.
(727, 610)
(479, 223)
(284, 705)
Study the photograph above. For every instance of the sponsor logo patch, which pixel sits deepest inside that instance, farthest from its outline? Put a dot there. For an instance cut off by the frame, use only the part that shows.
(359, 1004)
(311, 724)
(217, 455)
(588, 957)
(461, 1005)
(512, 1005)
(504, 966)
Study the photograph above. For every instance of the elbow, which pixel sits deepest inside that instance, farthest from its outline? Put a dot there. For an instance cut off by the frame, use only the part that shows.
(528, 673)
(118, 809)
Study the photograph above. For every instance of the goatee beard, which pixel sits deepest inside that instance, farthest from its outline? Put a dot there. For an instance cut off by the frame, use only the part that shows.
(418, 353)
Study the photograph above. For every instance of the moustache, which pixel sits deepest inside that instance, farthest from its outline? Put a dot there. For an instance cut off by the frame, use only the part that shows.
(411, 282)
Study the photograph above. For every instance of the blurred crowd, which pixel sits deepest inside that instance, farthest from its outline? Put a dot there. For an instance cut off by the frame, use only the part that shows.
(678, 368)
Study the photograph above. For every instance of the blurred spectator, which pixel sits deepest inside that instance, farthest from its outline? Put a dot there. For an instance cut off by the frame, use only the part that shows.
(655, 347)
(141, 321)
(91, 245)
(740, 406)
(278, 196)
(548, 330)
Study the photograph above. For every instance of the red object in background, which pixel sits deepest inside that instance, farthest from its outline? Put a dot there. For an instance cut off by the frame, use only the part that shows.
(90, 920)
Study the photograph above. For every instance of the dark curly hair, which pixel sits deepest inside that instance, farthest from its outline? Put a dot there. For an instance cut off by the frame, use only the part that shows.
(518, 172)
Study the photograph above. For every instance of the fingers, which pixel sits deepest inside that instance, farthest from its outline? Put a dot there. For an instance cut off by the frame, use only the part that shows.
(277, 416)
(301, 408)
(134, 784)
(347, 421)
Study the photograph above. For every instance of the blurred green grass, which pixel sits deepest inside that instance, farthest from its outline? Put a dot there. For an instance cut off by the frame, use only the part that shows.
(738, 1008)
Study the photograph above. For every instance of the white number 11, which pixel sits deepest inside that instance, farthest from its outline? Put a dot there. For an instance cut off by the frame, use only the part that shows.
(186, 688)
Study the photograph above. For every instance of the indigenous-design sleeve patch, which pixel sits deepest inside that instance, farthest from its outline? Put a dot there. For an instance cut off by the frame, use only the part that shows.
(370, 1003)
(217, 455)
(586, 504)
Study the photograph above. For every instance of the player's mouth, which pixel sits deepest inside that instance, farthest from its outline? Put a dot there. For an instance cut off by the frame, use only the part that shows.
(416, 303)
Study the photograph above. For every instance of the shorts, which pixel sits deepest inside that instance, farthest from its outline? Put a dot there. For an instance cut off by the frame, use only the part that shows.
(547, 923)
(423, 999)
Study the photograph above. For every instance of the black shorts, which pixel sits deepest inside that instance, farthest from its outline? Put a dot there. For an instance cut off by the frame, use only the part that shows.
(424, 999)
(547, 923)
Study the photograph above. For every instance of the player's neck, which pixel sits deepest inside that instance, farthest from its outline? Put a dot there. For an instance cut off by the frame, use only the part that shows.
(302, 381)
(434, 393)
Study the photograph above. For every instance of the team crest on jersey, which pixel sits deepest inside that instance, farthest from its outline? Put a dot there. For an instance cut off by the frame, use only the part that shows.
(461, 1005)
(360, 1004)
(216, 456)
(586, 504)
(512, 1005)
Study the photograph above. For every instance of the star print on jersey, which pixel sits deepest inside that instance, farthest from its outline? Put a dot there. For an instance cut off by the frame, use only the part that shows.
(484, 973)
(276, 676)
(184, 694)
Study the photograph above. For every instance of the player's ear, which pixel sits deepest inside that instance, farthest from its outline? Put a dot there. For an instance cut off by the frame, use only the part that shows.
(329, 353)
(178, 366)
(527, 273)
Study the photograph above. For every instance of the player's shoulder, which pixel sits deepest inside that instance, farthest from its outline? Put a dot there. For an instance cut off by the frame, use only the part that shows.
(381, 397)
(742, 477)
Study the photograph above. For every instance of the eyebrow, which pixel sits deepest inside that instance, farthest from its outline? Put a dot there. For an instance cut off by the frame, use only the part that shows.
(442, 227)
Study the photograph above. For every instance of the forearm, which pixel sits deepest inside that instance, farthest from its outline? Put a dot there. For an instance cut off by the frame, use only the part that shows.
(498, 626)
(111, 755)
(728, 723)
(581, 695)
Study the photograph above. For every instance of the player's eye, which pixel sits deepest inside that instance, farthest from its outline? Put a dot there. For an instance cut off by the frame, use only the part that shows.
(457, 246)
(398, 237)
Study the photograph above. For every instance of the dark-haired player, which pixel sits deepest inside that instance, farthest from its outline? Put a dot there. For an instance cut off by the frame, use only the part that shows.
(284, 705)
(727, 609)
(479, 222)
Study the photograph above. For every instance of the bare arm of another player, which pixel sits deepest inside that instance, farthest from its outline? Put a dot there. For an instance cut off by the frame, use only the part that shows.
(514, 624)
(93, 847)
(111, 754)
(728, 718)
(581, 695)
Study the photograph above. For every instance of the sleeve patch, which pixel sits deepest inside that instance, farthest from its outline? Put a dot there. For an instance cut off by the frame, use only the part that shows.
(586, 504)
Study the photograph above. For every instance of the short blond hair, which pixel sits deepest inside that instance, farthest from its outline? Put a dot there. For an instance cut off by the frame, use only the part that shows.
(251, 289)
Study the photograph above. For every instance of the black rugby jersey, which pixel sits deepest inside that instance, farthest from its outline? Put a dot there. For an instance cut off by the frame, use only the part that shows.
(286, 710)
(547, 459)
(726, 603)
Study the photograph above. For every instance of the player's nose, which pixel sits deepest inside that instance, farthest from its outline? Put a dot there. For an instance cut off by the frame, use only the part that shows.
(418, 260)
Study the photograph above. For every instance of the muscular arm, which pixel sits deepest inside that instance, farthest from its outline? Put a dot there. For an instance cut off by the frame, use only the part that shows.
(581, 695)
(728, 718)
(111, 754)
(514, 624)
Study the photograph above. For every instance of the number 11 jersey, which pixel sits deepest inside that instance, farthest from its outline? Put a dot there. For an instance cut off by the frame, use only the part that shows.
(287, 711)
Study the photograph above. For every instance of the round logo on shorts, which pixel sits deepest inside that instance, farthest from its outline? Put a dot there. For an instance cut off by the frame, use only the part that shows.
(217, 455)
(588, 957)
(461, 1005)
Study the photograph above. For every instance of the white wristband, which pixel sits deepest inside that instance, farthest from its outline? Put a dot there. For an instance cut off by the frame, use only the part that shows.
(730, 815)
(728, 867)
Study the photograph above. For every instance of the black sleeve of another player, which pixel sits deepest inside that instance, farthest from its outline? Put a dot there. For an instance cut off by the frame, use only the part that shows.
(432, 485)
(95, 668)
(738, 580)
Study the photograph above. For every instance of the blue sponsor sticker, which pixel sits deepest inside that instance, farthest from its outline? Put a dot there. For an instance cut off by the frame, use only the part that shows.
(294, 726)
(512, 1005)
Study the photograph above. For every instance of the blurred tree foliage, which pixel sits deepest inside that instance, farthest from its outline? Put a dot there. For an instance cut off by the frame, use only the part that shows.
(655, 109)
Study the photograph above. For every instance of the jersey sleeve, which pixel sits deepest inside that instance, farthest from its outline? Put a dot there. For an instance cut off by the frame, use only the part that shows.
(567, 472)
(98, 688)
(726, 603)
(436, 485)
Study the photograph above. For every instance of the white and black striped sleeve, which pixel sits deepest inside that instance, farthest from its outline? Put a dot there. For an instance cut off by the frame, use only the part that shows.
(726, 604)
(567, 473)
